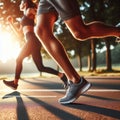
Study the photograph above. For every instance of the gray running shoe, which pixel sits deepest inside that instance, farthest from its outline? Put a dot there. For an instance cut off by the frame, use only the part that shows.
(74, 91)
(10, 84)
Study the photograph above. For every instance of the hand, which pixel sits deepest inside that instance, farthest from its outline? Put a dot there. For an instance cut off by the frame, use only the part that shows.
(10, 19)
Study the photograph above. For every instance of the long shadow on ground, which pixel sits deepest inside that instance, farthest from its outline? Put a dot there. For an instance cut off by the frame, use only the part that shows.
(63, 115)
(21, 109)
(90, 108)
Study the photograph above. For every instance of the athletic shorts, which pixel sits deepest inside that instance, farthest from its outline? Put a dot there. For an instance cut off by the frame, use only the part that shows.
(65, 8)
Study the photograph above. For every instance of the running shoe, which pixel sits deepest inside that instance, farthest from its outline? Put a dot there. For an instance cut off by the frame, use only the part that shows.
(10, 84)
(74, 91)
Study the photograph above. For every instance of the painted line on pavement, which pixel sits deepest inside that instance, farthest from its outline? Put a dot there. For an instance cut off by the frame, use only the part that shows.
(31, 96)
(104, 90)
(60, 90)
(48, 90)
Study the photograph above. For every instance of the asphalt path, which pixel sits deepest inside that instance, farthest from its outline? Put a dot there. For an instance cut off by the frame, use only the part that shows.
(37, 99)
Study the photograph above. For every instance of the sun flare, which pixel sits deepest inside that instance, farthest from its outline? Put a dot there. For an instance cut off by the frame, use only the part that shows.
(9, 47)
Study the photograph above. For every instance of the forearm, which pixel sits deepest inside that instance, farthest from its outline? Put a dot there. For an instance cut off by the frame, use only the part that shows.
(14, 29)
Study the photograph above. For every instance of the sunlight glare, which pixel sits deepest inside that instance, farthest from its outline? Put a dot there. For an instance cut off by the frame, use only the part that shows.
(9, 47)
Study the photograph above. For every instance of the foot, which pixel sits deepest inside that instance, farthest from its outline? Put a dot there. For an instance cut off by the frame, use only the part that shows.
(65, 81)
(10, 84)
(74, 91)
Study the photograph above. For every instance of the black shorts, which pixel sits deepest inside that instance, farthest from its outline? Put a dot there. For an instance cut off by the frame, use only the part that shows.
(65, 8)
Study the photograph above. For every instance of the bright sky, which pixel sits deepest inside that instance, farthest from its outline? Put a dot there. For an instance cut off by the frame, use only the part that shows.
(9, 47)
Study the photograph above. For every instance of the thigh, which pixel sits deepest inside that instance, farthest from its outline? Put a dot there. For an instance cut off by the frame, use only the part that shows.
(25, 51)
(45, 22)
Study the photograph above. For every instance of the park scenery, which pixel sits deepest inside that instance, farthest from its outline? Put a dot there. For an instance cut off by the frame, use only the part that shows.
(98, 60)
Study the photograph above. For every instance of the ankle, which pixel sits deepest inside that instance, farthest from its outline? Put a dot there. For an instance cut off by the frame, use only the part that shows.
(76, 81)
(60, 75)
(16, 81)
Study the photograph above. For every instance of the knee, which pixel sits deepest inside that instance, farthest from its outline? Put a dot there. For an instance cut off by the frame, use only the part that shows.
(38, 31)
(42, 34)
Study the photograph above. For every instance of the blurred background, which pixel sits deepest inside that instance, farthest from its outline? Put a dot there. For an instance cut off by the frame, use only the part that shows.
(94, 55)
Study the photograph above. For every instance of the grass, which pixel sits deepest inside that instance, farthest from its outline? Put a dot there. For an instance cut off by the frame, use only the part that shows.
(101, 71)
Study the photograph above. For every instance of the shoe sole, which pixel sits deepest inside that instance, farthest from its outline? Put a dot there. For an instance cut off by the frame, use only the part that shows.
(83, 90)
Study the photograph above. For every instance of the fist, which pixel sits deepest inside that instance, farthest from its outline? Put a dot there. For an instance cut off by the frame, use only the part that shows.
(10, 19)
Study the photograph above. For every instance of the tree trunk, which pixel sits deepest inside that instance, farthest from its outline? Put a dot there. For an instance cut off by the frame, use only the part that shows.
(89, 62)
(93, 46)
(79, 62)
(108, 56)
(58, 68)
(40, 74)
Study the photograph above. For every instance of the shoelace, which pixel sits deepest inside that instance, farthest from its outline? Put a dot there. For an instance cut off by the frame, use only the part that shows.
(69, 86)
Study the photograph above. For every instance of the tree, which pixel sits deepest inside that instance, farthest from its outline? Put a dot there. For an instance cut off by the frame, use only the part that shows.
(107, 11)
(13, 10)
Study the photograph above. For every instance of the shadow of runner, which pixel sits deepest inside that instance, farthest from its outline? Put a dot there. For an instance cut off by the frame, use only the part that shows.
(21, 109)
(104, 111)
(105, 85)
(101, 98)
(63, 115)
(48, 85)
